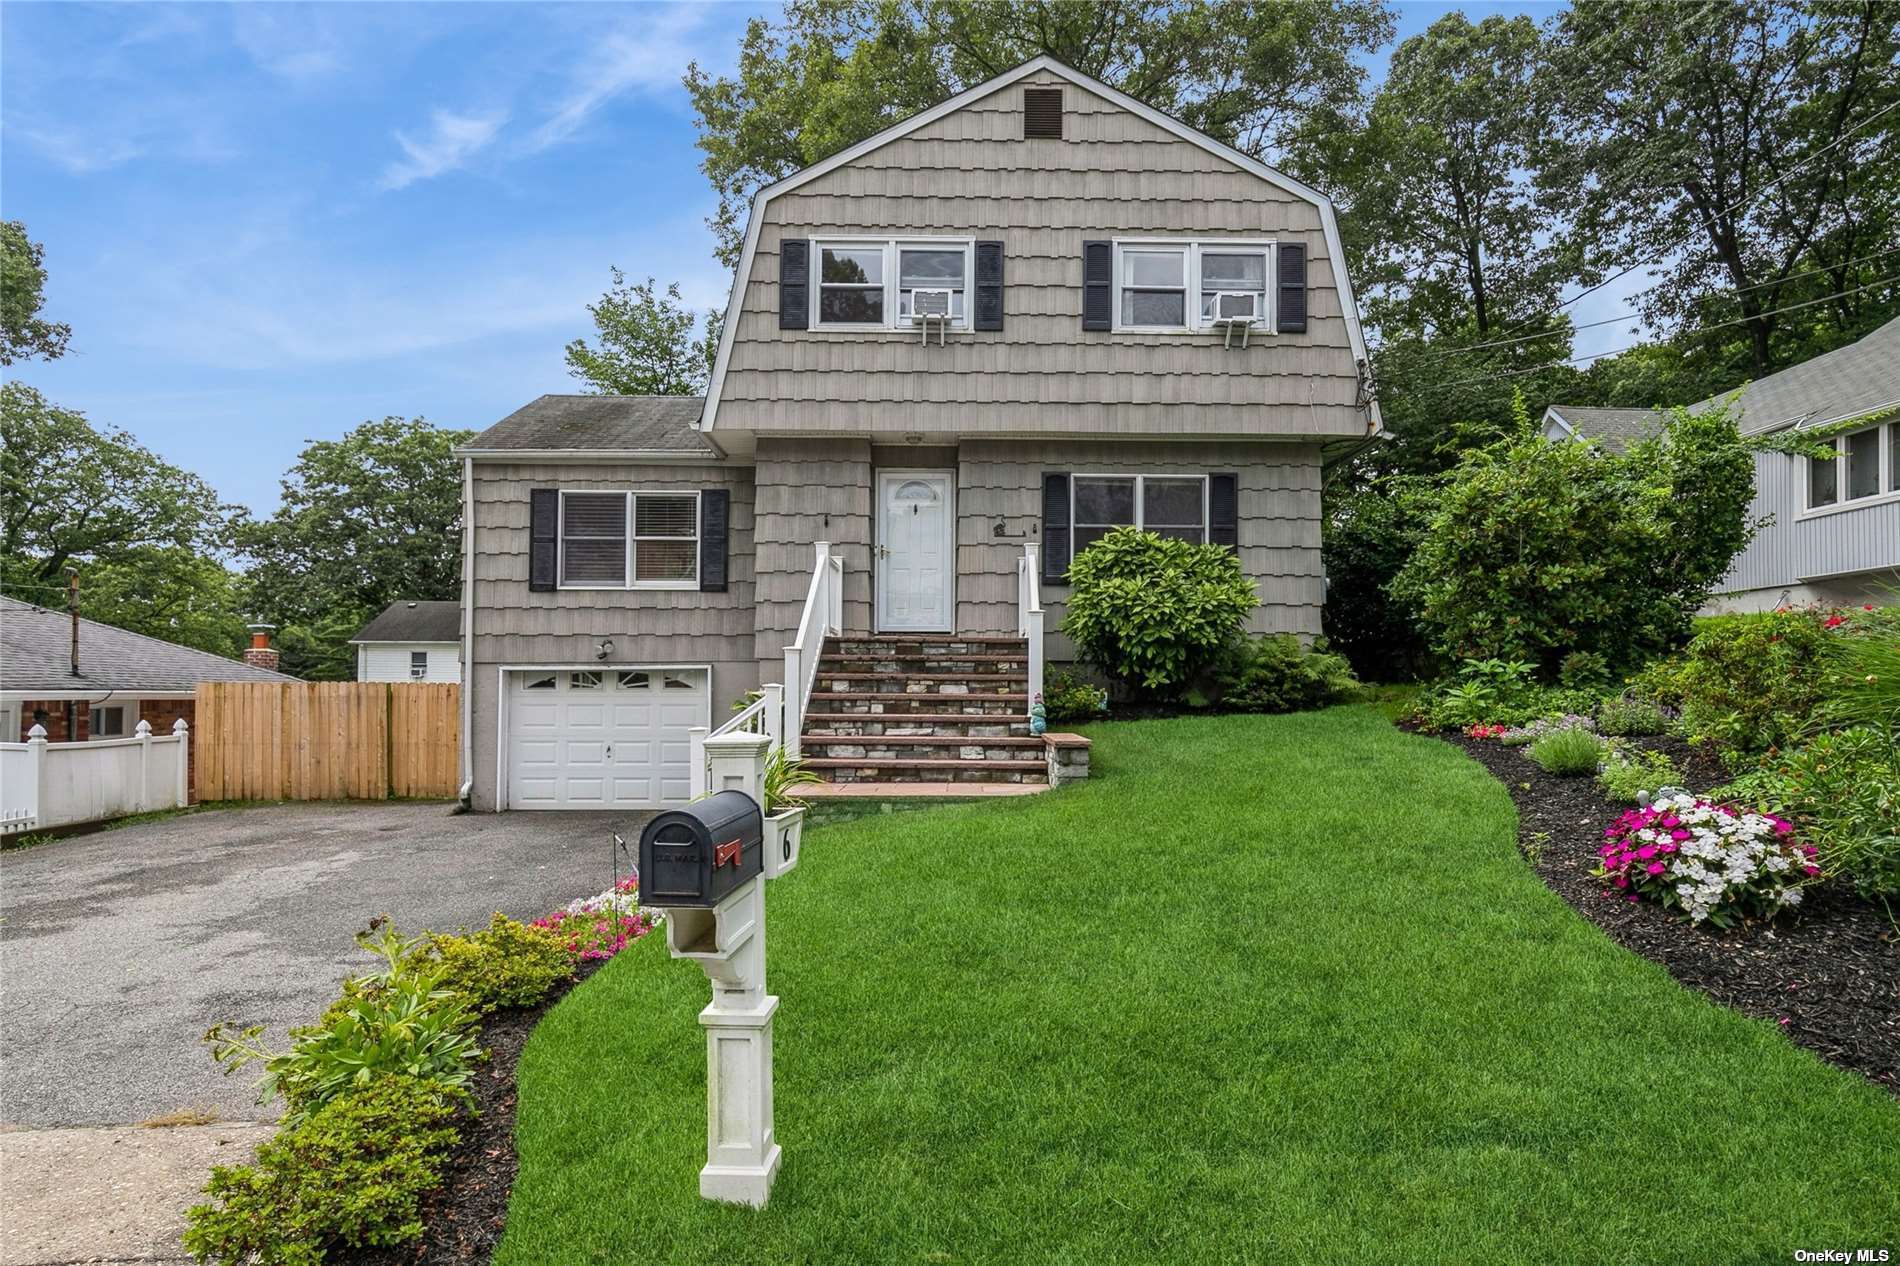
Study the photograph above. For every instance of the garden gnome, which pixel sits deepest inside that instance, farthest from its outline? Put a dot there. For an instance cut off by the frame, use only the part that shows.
(1038, 717)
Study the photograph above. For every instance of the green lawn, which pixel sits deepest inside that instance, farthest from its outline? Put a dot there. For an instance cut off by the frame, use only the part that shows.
(1267, 989)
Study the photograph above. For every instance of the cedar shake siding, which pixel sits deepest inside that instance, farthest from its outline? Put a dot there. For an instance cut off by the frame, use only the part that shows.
(1278, 523)
(971, 174)
(809, 491)
(514, 626)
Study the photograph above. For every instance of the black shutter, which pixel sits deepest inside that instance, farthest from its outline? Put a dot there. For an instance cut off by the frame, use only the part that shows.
(1223, 510)
(1098, 285)
(989, 286)
(794, 284)
(1056, 530)
(544, 538)
(714, 524)
(1292, 288)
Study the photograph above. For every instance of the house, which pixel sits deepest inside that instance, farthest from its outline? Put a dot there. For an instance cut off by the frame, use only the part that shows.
(120, 678)
(1833, 530)
(955, 354)
(411, 641)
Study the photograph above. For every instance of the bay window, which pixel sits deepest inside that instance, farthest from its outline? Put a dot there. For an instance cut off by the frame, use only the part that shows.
(622, 540)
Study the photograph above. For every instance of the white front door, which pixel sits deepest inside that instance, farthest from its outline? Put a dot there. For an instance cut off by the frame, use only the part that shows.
(916, 555)
(609, 738)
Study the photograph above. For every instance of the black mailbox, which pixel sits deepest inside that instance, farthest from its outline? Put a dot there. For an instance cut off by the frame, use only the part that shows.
(697, 855)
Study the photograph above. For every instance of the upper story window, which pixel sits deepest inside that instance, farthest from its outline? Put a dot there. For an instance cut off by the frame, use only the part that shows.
(622, 540)
(1175, 285)
(418, 665)
(876, 283)
(1865, 464)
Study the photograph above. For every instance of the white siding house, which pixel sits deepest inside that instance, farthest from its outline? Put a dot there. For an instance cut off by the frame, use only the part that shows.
(411, 641)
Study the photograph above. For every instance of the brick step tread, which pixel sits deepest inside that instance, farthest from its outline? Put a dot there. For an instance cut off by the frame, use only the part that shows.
(918, 718)
(993, 639)
(876, 696)
(919, 740)
(861, 762)
(898, 674)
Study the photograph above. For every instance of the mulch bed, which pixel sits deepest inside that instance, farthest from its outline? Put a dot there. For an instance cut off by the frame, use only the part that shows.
(1828, 974)
(463, 1219)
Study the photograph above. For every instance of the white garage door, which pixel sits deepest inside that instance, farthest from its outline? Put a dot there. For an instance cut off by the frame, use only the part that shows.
(607, 739)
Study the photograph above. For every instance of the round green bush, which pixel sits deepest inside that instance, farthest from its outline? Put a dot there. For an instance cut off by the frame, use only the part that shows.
(1153, 611)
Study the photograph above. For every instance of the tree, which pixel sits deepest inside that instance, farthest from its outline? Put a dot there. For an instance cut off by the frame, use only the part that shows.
(647, 345)
(22, 294)
(364, 521)
(1269, 78)
(180, 595)
(1367, 537)
(1736, 146)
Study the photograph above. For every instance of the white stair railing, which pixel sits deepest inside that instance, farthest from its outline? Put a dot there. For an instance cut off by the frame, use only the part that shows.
(1029, 616)
(823, 616)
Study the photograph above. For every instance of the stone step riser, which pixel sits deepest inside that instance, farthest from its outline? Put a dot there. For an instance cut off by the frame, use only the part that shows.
(1014, 666)
(878, 773)
(914, 687)
(900, 646)
(948, 731)
(870, 750)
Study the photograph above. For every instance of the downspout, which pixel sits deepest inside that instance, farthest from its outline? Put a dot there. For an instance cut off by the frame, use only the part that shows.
(468, 632)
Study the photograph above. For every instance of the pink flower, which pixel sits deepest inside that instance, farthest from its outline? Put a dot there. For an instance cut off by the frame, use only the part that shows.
(1622, 881)
(1678, 836)
(1632, 898)
(1646, 852)
(1656, 868)
(1669, 848)
(1810, 870)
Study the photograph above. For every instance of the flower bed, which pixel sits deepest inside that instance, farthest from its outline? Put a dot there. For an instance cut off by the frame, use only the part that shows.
(1709, 860)
(1823, 972)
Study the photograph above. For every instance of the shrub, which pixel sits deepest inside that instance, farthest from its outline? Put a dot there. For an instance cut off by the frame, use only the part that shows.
(1154, 611)
(1583, 670)
(1277, 674)
(1844, 790)
(507, 964)
(1066, 697)
(1538, 551)
(601, 926)
(1567, 753)
(1483, 690)
(1628, 716)
(1713, 861)
(355, 1170)
(1628, 775)
(1753, 682)
(1366, 536)
(398, 1020)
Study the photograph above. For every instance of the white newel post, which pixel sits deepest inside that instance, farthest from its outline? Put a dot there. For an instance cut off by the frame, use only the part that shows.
(742, 1152)
(36, 771)
(696, 757)
(182, 733)
(774, 713)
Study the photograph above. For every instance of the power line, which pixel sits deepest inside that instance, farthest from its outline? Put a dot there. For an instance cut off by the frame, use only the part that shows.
(1502, 374)
(1644, 263)
(1631, 316)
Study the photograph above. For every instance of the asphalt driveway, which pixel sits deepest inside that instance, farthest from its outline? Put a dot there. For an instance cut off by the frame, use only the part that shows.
(118, 950)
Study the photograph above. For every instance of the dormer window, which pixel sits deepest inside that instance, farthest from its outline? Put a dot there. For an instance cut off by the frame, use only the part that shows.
(876, 284)
(1173, 286)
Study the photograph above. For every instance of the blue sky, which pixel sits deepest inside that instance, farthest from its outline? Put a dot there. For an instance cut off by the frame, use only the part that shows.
(269, 222)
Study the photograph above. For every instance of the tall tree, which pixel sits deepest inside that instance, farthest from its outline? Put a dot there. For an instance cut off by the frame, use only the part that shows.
(651, 344)
(23, 332)
(1734, 144)
(364, 520)
(1268, 78)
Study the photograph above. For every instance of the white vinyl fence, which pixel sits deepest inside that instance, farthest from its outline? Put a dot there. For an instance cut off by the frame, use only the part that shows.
(45, 785)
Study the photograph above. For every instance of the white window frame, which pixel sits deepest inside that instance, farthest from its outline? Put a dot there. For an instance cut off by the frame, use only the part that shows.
(1192, 248)
(627, 521)
(890, 246)
(128, 711)
(418, 671)
(1140, 499)
(1885, 457)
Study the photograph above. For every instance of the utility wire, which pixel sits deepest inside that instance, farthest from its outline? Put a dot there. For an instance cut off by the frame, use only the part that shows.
(1742, 202)
(1720, 325)
(1631, 316)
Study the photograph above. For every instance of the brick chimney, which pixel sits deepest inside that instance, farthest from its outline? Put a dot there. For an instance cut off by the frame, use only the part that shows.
(260, 653)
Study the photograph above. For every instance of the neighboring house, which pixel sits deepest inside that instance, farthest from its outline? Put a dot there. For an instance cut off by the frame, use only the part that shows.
(1834, 530)
(411, 641)
(123, 678)
(985, 335)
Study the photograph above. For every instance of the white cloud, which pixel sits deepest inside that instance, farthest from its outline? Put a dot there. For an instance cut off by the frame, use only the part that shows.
(452, 140)
(291, 41)
(647, 60)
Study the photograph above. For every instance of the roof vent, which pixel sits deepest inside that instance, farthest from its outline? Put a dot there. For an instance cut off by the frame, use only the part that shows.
(1042, 114)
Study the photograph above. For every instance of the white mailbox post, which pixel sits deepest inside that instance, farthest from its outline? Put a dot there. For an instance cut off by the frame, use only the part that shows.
(727, 940)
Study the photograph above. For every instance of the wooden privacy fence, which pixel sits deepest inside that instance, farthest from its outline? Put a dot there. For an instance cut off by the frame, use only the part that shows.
(327, 740)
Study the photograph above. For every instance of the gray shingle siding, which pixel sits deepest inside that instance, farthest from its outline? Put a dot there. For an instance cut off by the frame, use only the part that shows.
(970, 174)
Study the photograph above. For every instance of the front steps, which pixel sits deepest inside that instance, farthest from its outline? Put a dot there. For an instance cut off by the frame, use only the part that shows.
(937, 710)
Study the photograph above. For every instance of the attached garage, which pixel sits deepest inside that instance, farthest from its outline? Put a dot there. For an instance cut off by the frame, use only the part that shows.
(601, 738)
